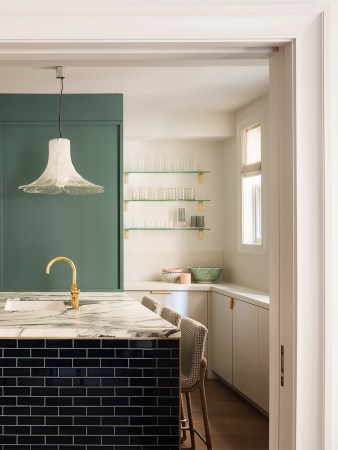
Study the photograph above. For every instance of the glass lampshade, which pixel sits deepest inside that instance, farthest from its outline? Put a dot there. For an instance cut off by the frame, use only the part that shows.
(60, 174)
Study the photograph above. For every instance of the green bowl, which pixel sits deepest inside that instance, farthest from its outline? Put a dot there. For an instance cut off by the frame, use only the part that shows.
(205, 274)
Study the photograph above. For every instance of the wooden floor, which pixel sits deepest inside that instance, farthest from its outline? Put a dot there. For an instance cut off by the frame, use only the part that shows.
(234, 423)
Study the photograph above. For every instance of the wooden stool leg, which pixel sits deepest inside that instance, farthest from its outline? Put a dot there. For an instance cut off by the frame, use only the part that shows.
(191, 423)
(205, 415)
(183, 421)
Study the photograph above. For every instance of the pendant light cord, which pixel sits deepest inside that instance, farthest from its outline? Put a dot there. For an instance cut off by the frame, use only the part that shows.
(60, 105)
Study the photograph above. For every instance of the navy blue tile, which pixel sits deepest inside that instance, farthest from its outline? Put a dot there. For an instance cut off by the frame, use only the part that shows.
(143, 382)
(99, 392)
(101, 372)
(87, 401)
(175, 353)
(8, 429)
(16, 372)
(143, 362)
(114, 382)
(87, 343)
(118, 343)
(156, 410)
(115, 440)
(114, 420)
(175, 410)
(143, 401)
(16, 352)
(72, 430)
(72, 411)
(128, 410)
(7, 420)
(82, 362)
(59, 420)
(7, 381)
(129, 392)
(31, 401)
(31, 420)
(31, 381)
(102, 411)
(59, 401)
(86, 381)
(100, 430)
(160, 353)
(144, 420)
(158, 373)
(7, 439)
(31, 362)
(16, 410)
(59, 439)
(125, 372)
(7, 362)
(113, 362)
(45, 391)
(16, 391)
(165, 440)
(59, 343)
(168, 343)
(73, 353)
(58, 362)
(168, 363)
(115, 401)
(73, 391)
(16, 447)
(159, 392)
(31, 343)
(159, 430)
(101, 353)
(129, 431)
(43, 372)
(167, 401)
(59, 382)
(72, 372)
(45, 430)
(45, 353)
(143, 440)
(144, 344)
(7, 400)
(72, 447)
(44, 411)
(88, 420)
(87, 440)
(129, 353)
(8, 343)
(168, 382)
(31, 439)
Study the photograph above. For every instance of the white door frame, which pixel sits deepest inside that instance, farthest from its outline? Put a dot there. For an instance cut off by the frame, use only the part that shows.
(100, 30)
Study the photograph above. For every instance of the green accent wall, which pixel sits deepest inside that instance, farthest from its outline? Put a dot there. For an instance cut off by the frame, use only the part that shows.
(36, 228)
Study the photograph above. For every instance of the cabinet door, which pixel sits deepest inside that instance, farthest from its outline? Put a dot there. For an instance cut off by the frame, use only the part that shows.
(221, 336)
(263, 386)
(245, 349)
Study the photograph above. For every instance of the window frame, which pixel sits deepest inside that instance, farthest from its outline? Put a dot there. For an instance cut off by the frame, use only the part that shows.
(249, 122)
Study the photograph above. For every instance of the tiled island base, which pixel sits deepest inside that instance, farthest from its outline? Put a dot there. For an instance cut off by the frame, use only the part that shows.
(89, 394)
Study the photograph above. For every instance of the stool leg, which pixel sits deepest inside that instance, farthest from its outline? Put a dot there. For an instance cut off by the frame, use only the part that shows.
(205, 415)
(191, 423)
(183, 421)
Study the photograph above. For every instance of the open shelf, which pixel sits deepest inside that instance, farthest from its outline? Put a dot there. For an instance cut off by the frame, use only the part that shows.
(200, 202)
(199, 173)
(199, 230)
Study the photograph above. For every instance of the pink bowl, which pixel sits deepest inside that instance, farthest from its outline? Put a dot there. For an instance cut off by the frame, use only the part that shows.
(171, 270)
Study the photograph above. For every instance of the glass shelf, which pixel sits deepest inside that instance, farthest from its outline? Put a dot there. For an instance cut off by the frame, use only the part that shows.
(200, 202)
(199, 173)
(199, 230)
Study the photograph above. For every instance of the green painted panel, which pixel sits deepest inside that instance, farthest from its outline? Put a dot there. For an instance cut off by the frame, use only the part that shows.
(36, 228)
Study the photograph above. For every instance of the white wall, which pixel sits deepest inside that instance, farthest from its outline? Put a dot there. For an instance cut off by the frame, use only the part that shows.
(243, 267)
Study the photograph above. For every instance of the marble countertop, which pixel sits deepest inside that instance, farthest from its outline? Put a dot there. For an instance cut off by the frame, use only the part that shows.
(111, 315)
(247, 294)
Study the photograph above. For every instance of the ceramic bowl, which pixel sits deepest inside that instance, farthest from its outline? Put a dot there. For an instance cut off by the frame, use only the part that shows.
(171, 275)
(205, 274)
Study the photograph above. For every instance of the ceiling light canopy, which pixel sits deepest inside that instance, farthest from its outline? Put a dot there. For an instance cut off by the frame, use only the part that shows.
(60, 175)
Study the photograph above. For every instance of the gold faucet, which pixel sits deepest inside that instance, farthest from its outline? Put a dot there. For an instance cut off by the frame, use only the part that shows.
(74, 291)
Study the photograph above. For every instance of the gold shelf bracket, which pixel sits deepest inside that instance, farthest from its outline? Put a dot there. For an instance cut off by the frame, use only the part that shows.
(200, 206)
(126, 177)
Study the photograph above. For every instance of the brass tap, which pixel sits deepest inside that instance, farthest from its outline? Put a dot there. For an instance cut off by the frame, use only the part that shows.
(74, 291)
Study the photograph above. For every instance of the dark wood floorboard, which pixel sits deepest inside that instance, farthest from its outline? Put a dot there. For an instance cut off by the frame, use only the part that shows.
(234, 423)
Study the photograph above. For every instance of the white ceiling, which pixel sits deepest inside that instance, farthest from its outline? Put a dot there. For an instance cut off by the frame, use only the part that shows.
(217, 88)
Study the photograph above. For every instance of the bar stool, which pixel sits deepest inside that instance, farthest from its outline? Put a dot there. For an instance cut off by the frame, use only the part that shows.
(172, 316)
(152, 304)
(193, 369)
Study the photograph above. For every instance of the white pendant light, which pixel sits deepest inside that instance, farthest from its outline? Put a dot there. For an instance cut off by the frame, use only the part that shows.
(60, 174)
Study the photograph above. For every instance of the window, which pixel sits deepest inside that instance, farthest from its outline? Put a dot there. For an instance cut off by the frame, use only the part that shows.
(251, 185)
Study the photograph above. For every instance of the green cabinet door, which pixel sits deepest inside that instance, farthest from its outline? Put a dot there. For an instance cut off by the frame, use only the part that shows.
(35, 228)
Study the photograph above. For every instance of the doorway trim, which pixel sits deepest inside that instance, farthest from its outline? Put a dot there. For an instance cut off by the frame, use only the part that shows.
(99, 31)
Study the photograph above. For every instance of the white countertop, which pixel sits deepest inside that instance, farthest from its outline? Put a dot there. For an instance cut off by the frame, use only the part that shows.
(254, 296)
(111, 315)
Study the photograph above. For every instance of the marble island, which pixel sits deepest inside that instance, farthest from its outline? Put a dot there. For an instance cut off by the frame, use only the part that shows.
(100, 315)
(106, 376)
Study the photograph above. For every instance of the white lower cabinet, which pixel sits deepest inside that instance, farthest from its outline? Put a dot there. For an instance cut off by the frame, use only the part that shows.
(193, 304)
(240, 346)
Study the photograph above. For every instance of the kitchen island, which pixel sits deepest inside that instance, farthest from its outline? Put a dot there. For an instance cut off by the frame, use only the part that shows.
(102, 377)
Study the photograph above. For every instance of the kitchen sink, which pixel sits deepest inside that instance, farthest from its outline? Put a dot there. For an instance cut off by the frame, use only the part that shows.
(34, 304)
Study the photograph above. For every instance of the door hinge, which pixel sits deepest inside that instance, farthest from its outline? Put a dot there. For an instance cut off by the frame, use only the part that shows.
(282, 365)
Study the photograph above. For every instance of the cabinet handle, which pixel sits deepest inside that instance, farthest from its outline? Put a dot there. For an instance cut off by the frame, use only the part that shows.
(160, 292)
(231, 303)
